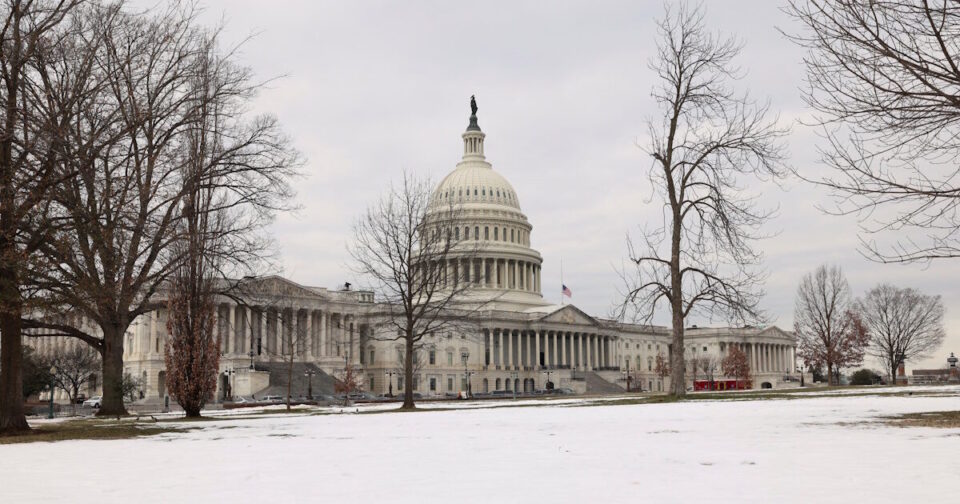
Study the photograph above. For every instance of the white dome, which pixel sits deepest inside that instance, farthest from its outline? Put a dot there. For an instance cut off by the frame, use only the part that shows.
(474, 183)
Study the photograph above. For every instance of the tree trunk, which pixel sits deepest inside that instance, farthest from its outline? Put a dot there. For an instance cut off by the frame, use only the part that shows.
(678, 382)
(408, 374)
(12, 418)
(830, 374)
(112, 353)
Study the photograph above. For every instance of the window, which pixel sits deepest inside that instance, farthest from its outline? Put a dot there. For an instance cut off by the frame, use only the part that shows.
(399, 383)
(704, 349)
(476, 232)
(371, 356)
(649, 363)
(511, 236)
(449, 358)
(466, 233)
(371, 383)
(486, 232)
(416, 382)
(449, 384)
(433, 357)
(456, 234)
(496, 234)
(433, 384)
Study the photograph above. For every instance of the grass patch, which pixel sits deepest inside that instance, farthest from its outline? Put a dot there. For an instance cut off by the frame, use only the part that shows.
(937, 419)
(87, 429)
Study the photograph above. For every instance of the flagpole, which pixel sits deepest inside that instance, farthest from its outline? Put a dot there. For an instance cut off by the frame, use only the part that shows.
(561, 281)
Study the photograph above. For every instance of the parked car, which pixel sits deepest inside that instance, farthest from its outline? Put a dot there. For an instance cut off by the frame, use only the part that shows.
(93, 402)
(272, 399)
(81, 398)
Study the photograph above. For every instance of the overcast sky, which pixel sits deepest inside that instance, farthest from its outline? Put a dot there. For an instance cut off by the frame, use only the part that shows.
(368, 89)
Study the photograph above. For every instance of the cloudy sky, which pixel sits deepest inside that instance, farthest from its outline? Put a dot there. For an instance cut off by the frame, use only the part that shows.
(368, 89)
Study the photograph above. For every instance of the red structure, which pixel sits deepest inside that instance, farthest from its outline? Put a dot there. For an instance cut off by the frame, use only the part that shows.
(721, 385)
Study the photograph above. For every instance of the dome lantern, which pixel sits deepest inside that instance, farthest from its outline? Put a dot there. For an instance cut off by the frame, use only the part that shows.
(473, 137)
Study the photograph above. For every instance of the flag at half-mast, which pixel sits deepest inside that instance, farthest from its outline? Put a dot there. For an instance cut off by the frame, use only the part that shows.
(566, 291)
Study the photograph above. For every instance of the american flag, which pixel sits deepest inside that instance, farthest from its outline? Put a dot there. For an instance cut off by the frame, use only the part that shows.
(566, 291)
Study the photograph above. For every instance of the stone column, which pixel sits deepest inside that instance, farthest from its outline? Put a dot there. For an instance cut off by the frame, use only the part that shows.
(560, 335)
(264, 341)
(589, 361)
(536, 352)
(232, 329)
(308, 335)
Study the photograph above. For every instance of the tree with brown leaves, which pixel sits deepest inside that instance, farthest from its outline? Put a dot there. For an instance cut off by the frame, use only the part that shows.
(829, 331)
(736, 365)
(707, 143)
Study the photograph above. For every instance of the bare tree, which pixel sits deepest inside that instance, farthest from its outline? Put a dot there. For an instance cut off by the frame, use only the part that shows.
(904, 324)
(165, 83)
(74, 367)
(402, 245)
(829, 331)
(884, 77)
(32, 33)
(708, 367)
(701, 260)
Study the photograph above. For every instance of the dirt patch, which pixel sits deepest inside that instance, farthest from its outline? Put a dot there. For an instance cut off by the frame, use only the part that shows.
(938, 419)
(86, 429)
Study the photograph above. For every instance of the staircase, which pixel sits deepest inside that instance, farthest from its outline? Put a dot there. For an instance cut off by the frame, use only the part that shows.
(597, 385)
(322, 382)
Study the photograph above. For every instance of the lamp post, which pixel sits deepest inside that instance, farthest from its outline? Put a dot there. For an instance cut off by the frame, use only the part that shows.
(309, 374)
(627, 372)
(228, 394)
(251, 359)
(465, 356)
(53, 383)
(549, 384)
(390, 374)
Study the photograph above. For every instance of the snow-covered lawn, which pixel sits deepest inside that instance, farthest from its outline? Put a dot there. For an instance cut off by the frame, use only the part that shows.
(822, 448)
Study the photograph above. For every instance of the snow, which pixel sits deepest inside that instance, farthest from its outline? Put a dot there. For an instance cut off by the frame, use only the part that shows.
(825, 447)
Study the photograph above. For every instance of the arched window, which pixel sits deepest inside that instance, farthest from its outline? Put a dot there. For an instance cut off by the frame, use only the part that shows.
(466, 233)
(476, 232)
(456, 234)
(486, 232)
(511, 236)
(496, 234)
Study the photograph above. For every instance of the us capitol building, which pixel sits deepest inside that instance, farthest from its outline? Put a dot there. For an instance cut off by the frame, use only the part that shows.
(517, 341)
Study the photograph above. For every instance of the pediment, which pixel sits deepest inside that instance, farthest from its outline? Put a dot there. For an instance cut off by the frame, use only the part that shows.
(569, 314)
(276, 286)
(774, 331)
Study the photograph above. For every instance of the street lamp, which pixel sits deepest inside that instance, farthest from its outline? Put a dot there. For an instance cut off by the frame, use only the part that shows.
(465, 356)
(627, 373)
(309, 374)
(53, 371)
(390, 374)
(549, 384)
(228, 394)
(251, 359)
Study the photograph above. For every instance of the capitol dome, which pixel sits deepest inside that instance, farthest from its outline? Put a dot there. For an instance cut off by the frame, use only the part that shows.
(498, 262)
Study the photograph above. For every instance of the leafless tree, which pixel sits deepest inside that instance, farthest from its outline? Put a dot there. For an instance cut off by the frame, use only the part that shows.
(708, 367)
(32, 36)
(708, 141)
(164, 84)
(74, 367)
(402, 244)
(829, 331)
(904, 324)
(883, 78)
